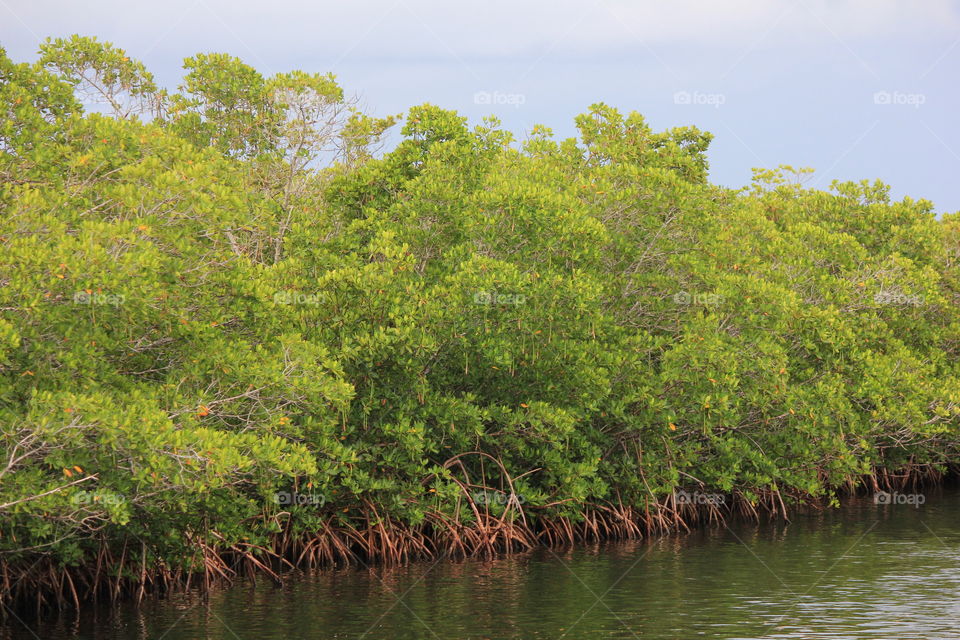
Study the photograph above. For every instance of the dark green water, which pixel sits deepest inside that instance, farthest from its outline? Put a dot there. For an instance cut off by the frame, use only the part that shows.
(861, 571)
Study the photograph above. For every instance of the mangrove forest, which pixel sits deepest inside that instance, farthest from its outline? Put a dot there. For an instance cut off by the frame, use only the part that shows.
(247, 327)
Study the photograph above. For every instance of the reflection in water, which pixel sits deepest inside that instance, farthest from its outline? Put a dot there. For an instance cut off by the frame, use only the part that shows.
(863, 571)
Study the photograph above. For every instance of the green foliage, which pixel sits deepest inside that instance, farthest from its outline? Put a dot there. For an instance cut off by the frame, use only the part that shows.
(240, 297)
(103, 73)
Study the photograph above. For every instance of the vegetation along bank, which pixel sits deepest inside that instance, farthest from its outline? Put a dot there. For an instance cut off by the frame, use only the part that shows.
(239, 332)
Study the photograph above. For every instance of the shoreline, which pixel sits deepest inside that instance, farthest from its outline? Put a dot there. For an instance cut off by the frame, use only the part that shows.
(118, 578)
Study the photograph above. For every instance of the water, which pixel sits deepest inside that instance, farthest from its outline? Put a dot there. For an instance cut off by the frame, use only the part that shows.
(863, 571)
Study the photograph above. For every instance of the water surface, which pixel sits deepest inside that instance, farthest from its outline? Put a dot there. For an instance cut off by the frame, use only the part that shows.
(862, 571)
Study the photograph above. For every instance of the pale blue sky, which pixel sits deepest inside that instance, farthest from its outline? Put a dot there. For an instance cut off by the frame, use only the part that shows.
(853, 88)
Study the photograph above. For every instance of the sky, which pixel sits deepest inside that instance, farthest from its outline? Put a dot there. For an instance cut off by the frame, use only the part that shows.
(856, 89)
